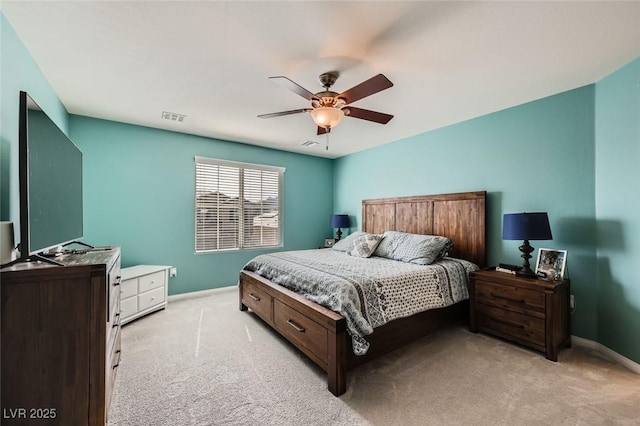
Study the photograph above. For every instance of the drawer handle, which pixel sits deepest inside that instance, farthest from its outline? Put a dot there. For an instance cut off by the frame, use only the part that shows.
(256, 298)
(513, 324)
(296, 326)
(116, 319)
(114, 366)
(498, 296)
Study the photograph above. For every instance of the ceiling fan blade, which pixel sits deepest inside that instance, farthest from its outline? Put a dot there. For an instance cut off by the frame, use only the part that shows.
(366, 88)
(281, 113)
(293, 86)
(322, 130)
(365, 114)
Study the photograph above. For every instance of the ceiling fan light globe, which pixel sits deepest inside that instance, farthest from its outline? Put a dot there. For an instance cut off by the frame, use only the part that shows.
(327, 117)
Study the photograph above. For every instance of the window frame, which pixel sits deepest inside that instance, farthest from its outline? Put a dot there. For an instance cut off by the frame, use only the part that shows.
(241, 188)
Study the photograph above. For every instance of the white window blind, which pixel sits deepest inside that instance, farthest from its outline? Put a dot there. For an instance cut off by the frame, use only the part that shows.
(237, 205)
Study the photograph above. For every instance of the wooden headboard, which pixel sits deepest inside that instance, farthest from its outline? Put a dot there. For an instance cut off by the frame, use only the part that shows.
(460, 217)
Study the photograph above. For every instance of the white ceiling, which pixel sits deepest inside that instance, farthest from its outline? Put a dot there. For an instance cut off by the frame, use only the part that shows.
(210, 60)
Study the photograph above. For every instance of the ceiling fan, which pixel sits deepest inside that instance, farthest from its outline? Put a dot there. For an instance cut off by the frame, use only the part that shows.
(328, 108)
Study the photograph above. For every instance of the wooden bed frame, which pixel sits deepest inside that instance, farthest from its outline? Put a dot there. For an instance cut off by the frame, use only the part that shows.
(321, 333)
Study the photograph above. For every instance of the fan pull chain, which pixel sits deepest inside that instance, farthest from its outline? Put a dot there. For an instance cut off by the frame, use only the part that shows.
(326, 146)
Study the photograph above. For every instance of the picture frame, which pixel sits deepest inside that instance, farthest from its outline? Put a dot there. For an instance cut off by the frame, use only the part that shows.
(329, 242)
(551, 264)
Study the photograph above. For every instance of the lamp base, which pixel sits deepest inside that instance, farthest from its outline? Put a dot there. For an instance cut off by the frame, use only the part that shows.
(339, 234)
(526, 273)
(526, 251)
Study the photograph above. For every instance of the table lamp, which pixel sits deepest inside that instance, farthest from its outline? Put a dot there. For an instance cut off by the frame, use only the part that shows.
(526, 226)
(339, 221)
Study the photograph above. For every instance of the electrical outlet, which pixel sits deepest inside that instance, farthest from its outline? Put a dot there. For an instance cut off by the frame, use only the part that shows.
(174, 271)
(572, 302)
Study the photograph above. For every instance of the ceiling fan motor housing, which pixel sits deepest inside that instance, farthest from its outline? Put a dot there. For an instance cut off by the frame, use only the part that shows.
(327, 99)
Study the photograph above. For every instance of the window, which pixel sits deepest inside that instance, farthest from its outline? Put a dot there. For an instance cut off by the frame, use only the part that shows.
(237, 205)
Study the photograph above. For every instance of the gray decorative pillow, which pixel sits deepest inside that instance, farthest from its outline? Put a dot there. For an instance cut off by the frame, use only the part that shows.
(345, 243)
(413, 248)
(364, 245)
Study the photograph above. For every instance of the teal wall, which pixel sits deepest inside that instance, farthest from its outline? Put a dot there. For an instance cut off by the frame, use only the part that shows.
(574, 155)
(18, 71)
(140, 188)
(534, 157)
(618, 208)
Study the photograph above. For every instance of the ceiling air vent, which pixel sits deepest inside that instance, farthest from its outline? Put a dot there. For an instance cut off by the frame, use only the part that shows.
(309, 143)
(172, 116)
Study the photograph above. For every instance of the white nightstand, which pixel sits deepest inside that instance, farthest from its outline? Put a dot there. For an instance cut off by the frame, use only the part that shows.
(144, 289)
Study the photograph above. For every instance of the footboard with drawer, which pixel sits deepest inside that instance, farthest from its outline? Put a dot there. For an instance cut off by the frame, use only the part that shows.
(317, 331)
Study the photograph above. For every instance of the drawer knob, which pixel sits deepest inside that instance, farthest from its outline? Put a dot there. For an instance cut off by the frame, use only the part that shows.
(254, 297)
(296, 326)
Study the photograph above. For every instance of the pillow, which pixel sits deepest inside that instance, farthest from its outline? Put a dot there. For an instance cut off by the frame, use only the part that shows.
(413, 248)
(364, 245)
(345, 243)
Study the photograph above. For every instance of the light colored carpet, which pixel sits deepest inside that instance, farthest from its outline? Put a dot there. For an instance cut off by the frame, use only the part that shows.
(203, 362)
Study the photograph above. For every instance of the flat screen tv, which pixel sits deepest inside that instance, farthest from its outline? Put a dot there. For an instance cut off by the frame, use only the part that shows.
(50, 175)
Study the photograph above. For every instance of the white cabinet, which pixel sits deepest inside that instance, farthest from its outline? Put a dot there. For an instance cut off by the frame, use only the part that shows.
(144, 289)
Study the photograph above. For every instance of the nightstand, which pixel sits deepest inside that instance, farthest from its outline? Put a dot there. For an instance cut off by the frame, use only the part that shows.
(528, 311)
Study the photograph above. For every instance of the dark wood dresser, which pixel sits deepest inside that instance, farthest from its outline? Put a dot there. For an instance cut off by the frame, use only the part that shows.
(60, 339)
(528, 311)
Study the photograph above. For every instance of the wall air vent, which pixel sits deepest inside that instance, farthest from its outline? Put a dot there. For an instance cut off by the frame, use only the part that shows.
(309, 143)
(172, 116)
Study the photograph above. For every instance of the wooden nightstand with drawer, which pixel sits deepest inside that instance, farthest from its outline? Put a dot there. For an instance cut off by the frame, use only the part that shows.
(528, 311)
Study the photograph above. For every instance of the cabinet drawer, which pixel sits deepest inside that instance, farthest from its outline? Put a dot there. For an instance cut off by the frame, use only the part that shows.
(113, 323)
(518, 326)
(150, 298)
(128, 288)
(112, 369)
(114, 292)
(258, 301)
(115, 274)
(301, 330)
(128, 307)
(151, 281)
(113, 357)
(512, 298)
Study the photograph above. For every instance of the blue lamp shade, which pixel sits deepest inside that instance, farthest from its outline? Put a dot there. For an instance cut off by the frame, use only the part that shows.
(526, 226)
(339, 221)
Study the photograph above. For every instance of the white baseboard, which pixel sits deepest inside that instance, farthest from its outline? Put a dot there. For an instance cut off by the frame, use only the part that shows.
(201, 293)
(614, 356)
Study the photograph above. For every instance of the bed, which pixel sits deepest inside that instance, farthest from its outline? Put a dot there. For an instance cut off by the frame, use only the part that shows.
(321, 333)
